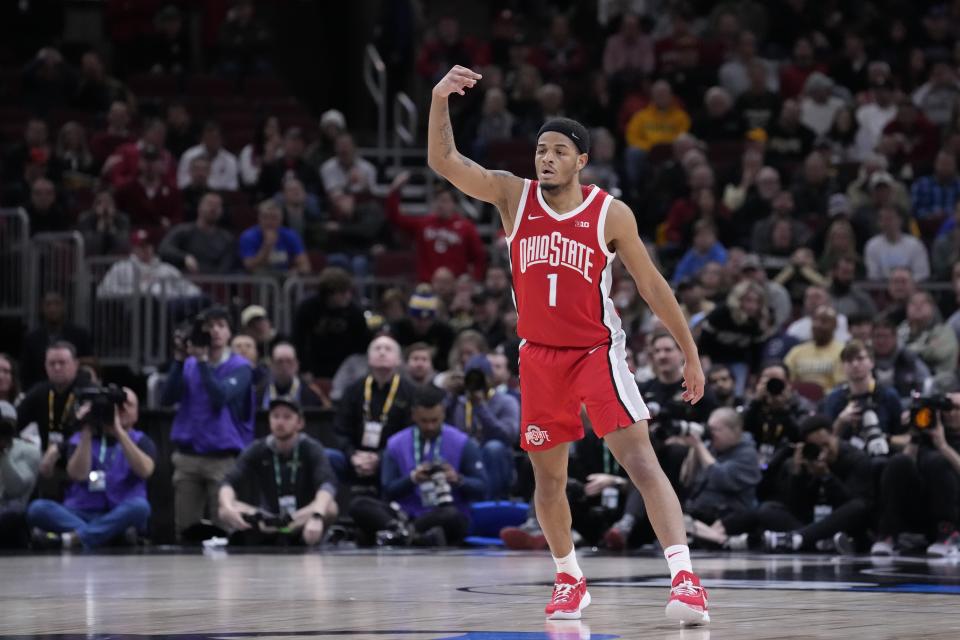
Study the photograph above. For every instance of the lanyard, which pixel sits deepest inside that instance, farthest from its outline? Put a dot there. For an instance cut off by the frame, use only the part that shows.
(272, 393)
(103, 451)
(294, 464)
(610, 465)
(416, 447)
(63, 416)
(468, 411)
(387, 404)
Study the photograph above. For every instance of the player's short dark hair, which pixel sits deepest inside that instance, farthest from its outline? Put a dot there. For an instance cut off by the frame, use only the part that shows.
(428, 396)
(576, 132)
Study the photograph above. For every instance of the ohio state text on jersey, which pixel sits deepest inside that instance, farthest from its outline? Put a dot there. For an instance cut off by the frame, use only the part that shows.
(562, 271)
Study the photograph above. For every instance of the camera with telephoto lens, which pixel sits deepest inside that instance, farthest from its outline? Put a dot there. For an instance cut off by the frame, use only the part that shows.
(194, 332)
(104, 401)
(811, 452)
(775, 386)
(870, 436)
(442, 491)
(475, 380)
(923, 415)
(673, 418)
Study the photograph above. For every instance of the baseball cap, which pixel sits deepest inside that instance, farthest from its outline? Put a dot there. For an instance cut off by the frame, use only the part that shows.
(140, 237)
(7, 411)
(333, 117)
(880, 178)
(423, 303)
(838, 205)
(290, 403)
(750, 261)
(251, 313)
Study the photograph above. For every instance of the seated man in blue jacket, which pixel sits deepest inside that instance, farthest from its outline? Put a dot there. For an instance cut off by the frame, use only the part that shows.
(432, 471)
(214, 420)
(490, 416)
(108, 492)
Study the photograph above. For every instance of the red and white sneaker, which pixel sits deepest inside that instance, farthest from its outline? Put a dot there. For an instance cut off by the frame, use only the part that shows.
(688, 600)
(570, 597)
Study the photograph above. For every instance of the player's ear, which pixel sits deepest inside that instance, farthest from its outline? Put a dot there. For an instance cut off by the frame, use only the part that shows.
(582, 161)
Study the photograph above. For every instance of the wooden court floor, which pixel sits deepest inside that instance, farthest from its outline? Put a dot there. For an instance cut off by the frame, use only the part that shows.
(463, 595)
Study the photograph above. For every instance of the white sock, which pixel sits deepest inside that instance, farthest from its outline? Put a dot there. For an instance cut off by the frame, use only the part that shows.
(797, 541)
(678, 559)
(568, 565)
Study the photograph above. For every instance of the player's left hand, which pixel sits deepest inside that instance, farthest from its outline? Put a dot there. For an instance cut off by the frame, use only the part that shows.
(693, 381)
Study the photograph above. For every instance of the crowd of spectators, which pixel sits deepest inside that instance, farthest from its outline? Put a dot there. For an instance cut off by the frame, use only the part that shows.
(794, 171)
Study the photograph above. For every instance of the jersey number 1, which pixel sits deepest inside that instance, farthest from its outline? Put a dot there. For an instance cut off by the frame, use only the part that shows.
(552, 277)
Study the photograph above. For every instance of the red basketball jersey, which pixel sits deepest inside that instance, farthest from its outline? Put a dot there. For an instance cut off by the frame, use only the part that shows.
(561, 271)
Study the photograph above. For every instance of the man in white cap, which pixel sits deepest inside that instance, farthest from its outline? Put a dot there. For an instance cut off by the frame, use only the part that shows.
(332, 124)
(257, 324)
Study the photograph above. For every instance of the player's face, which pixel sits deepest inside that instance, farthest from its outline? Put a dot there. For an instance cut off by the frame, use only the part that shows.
(557, 160)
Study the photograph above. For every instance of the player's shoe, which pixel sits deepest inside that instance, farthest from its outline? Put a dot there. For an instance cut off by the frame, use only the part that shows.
(688, 600)
(570, 597)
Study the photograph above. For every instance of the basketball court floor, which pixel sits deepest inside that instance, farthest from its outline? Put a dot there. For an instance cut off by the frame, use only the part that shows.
(463, 595)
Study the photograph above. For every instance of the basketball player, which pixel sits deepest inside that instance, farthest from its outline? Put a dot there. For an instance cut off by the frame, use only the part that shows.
(563, 239)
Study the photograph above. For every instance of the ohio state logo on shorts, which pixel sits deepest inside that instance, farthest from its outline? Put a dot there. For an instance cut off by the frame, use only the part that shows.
(536, 436)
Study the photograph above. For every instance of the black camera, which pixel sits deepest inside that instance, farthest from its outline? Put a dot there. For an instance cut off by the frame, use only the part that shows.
(8, 430)
(775, 386)
(104, 401)
(475, 380)
(268, 519)
(811, 452)
(673, 419)
(194, 332)
(923, 410)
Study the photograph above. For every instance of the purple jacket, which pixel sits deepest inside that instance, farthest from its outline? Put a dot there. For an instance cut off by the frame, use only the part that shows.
(400, 449)
(206, 423)
(122, 483)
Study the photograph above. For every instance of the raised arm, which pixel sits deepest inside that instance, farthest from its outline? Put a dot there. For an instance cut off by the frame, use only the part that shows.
(499, 188)
(621, 232)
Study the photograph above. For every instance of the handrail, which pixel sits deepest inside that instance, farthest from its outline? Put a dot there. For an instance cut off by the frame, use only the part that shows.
(404, 106)
(375, 77)
(14, 262)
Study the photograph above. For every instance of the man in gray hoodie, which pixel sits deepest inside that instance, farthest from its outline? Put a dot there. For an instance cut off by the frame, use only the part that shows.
(722, 477)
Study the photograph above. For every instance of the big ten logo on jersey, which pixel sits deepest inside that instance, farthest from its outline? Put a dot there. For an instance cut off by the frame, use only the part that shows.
(441, 238)
(583, 224)
(556, 250)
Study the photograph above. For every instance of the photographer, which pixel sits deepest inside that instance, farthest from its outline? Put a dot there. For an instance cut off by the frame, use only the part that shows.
(433, 471)
(50, 405)
(863, 412)
(721, 478)
(824, 493)
(19, 467)
(920, 488)
(293, 485)
(663, 396)
(214, 421)
(827, 489)
(109, 465)
(491, 417)
(773, 416)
